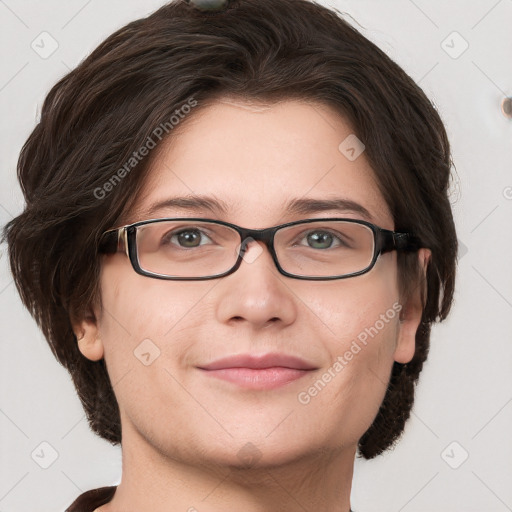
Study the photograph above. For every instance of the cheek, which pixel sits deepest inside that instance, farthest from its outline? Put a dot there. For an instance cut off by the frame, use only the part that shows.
(364, 308)
(359, 319)
(351, 389)
(141, 317)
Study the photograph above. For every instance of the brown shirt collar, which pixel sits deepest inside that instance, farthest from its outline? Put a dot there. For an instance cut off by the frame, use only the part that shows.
(90, 500)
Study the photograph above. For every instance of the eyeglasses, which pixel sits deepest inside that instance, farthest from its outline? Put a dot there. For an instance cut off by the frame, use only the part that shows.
(197, 249)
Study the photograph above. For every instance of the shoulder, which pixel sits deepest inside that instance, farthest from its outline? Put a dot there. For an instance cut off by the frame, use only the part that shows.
(90, 500)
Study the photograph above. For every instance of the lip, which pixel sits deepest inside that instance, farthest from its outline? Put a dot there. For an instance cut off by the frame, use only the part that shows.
(260, 362)
(259, 372)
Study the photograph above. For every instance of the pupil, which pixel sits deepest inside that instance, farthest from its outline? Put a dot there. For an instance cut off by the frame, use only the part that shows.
(320, 238)
(187, 238)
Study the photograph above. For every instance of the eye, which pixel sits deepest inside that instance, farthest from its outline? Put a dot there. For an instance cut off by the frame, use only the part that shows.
(321, 239)
(187, 238)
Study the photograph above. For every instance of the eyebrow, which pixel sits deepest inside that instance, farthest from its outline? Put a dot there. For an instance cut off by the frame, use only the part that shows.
(299, 206)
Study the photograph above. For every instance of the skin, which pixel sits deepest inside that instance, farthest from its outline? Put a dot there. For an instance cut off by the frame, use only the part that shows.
(183, 430)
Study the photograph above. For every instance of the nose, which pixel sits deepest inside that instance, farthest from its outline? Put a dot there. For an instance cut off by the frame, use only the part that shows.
(256, 293)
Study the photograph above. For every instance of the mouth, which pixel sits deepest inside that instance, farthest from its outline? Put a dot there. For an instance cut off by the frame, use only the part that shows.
(260, 378)
(269, 371)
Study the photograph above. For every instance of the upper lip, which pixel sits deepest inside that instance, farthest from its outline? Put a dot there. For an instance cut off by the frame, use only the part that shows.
(260, 361)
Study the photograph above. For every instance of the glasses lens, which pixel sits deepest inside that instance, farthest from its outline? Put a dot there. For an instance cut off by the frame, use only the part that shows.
(324, 248)
(186, 248)
(191, 249)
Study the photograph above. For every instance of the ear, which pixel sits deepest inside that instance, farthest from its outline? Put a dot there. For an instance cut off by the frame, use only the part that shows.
(87, 333)
(410, 316)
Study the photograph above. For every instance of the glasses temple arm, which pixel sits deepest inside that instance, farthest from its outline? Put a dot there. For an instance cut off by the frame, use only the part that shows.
(113, 241)
(392, 241)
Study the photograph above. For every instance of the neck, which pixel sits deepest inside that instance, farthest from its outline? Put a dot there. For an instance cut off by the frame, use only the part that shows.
(157, 482)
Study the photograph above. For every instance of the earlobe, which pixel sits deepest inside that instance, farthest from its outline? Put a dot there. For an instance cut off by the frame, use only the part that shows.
(425, 256)
(408, 325)
(410, 317)
(88, 339)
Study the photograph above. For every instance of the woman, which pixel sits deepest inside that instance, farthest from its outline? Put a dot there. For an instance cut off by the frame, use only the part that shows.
(236, 239)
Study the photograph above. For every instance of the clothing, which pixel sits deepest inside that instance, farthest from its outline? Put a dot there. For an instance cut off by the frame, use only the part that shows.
(90, 500)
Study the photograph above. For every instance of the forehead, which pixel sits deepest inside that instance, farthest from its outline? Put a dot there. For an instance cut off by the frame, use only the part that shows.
(258, 165)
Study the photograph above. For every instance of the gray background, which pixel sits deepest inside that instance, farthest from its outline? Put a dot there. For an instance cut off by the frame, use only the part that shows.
(463, 406)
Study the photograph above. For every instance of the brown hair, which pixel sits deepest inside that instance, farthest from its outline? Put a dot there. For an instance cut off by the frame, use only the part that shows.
(98, 115)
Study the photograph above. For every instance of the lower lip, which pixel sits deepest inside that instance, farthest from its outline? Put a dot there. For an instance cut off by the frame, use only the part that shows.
(258, 378)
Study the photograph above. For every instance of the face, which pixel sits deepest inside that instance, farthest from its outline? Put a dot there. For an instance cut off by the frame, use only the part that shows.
(156, 335)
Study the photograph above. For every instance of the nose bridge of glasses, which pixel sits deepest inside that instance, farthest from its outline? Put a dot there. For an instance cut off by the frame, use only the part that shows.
(260, 235)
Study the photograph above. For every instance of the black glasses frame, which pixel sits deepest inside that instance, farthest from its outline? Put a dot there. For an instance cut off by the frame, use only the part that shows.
(124, 239)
